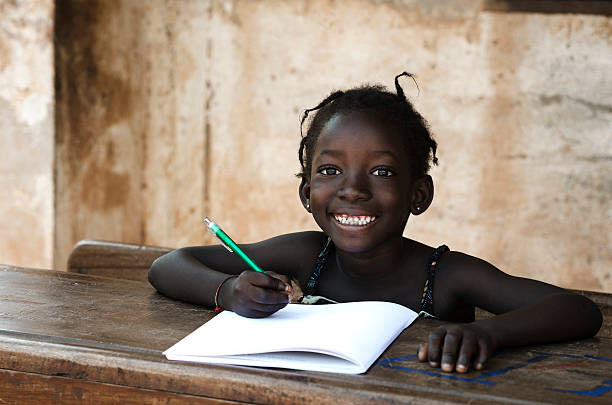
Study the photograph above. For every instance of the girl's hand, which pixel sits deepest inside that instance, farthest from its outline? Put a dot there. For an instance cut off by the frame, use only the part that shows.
(457, 347)
(254, 294)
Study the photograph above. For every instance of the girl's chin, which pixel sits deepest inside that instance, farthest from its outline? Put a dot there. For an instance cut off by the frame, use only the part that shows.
(353, 242)
(353, 230)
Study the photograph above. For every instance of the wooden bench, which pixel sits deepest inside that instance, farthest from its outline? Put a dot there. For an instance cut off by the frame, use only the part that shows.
(113, 259)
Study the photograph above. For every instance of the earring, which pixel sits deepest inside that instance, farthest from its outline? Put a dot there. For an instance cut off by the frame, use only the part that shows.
(308, 205)
(418, 208)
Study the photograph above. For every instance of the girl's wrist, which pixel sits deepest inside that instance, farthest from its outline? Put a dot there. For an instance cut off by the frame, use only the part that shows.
(219, 304)
(491, 330)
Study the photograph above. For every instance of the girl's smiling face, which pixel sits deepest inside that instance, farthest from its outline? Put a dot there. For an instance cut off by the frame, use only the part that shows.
(360, 184)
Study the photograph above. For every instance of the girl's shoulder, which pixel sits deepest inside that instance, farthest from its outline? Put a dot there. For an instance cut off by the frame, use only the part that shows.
(461, 269)
(303, 241)
(292, 254)
(455, 260)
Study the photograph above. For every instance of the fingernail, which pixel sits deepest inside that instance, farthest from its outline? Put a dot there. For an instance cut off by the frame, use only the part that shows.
(287, 287)
(478, 366)
(433, 363)
(461, 368)
(447, 367)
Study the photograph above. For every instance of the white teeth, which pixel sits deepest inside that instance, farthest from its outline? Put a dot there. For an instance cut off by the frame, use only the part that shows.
(355, 220)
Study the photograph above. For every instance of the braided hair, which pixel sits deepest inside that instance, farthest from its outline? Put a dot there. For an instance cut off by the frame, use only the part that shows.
(376, 100)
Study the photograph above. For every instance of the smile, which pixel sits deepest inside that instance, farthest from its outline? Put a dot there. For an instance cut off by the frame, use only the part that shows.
(354, 220)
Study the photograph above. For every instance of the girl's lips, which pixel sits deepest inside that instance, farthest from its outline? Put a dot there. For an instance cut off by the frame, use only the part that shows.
(354, 220)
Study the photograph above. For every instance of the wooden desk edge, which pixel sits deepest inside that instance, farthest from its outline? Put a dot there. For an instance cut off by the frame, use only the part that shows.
(243, 384)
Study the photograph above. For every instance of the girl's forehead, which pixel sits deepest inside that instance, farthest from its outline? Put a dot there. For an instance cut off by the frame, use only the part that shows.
(367, 129)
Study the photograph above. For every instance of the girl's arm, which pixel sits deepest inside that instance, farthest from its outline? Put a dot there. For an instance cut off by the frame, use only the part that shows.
(194, 274)
(529, 312)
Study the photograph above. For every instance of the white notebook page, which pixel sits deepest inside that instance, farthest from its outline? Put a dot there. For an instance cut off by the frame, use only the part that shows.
(358, 332)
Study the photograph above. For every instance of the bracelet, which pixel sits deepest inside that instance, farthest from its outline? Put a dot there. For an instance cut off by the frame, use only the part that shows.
(217, 306)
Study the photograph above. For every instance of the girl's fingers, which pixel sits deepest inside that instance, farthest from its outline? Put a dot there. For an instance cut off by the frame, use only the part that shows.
(286, 280)
(259, 288)
(254, 291)
(452, 340)
(267, 290)
(266, 296)
(422, 352)
(434, 346)
(469, 346)
(457, 347)
(483, 355)
(270, 281)
(245, 306)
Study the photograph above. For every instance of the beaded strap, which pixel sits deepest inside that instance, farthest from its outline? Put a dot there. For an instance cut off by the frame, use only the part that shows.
(320, 263)
(427, 298)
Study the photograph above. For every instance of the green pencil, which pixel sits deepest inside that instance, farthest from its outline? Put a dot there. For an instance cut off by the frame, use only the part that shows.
(229, 243)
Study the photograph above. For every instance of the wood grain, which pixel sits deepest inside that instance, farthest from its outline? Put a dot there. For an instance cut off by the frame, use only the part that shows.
(61, 332)
(21, 388)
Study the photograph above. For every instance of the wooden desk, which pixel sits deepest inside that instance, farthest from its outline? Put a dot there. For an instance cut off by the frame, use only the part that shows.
(71, 338)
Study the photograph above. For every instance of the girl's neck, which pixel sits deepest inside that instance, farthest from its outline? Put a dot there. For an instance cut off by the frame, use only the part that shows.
(377, 264)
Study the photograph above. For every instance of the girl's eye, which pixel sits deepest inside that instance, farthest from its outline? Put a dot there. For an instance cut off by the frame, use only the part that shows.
(383, 172)
(329, 171)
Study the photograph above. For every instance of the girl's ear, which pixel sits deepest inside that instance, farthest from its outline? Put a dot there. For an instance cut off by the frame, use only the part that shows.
(422, 194)
(304, 191)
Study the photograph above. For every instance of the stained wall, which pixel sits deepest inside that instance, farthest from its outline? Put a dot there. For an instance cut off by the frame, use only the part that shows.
(131, 94)
(26, 132)
(168, 111)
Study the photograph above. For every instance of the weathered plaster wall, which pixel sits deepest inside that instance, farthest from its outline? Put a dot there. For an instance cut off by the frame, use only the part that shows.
(131, 85)
(167, 111)
(26, 132)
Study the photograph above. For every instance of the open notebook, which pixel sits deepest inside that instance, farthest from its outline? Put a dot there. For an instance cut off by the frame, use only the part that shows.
(341, 338)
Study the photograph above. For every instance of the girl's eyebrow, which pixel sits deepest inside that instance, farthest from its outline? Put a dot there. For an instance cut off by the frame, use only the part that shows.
(384, 152)
(333, 152)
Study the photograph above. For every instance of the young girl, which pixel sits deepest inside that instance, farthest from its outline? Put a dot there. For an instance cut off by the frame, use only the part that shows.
(365, 159)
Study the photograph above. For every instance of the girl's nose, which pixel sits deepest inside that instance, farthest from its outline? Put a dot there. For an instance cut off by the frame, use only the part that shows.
(354, 188)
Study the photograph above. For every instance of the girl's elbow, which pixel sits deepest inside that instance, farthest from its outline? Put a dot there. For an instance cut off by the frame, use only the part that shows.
(592, 316)
(597, 318)
(152, 276)
(155, 272)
